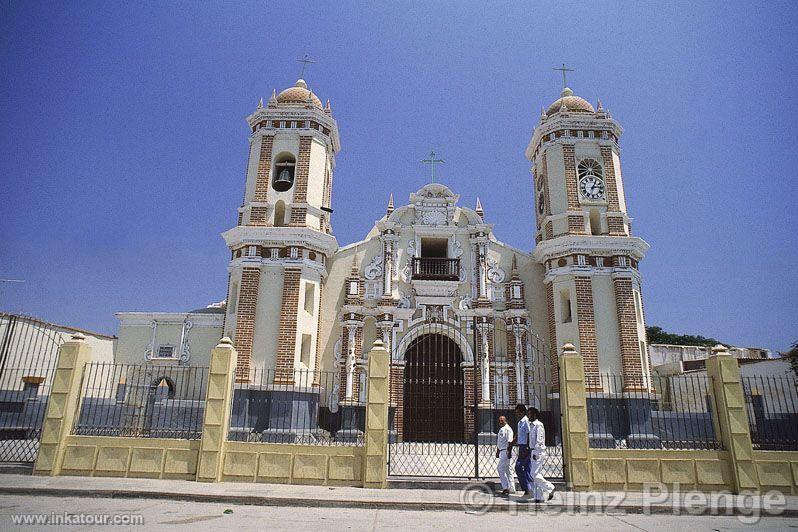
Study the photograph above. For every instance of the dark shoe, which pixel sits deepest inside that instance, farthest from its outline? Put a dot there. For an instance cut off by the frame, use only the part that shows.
(551, 494)
(538, 501)
(505, 492)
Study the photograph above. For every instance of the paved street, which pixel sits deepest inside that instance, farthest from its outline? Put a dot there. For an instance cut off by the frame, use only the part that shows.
(178, 515)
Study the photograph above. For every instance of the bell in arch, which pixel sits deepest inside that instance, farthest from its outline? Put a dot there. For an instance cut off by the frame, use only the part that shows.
(285, 179)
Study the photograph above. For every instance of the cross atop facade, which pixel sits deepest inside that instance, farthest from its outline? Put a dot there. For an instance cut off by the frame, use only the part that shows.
(564, 70)
(432, 161)
(305, 62)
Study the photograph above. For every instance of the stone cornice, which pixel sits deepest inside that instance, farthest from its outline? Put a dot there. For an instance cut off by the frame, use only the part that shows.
(296, 113)
(590, 245)
(573, 121)
(281, 237)
(144, 319)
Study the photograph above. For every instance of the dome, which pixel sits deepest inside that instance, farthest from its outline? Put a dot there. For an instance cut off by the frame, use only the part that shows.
(298, 94)
(574, 104)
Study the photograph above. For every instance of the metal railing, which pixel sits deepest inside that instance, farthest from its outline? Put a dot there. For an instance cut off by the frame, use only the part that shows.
(436, 269)
(303, 407)
(142, 401)
(24, 393)
(772, 402)
(676, 413)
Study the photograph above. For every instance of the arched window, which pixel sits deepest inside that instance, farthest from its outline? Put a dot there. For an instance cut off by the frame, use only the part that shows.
(284, 165)
(279, 214)
(589, 167)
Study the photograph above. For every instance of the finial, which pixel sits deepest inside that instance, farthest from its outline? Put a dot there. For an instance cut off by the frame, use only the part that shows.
(478, 209)
(600, 107)
(514, 265)
(260, 104)
(389, 210)
(225, 342)
(355, 270)
(301, 83)
(273, 97)
(328, 104)
(566, 92)
(720, 349)
(543, 115)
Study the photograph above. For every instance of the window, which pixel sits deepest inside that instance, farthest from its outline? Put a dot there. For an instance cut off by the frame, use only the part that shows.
(638, 308)
(353, 288)
(622, 262)
(600, 262)
(166, 351)
(310, 298)
(279, 214)
(231, 307)
(565, 307)
(595, 222)
(304, 356)
(252, 251)
(435, 247)
(589, 167)
(581, 260)
(284, 165)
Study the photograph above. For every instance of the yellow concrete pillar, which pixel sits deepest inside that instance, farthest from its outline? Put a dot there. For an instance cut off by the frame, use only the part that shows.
(375, 474)
(63, 405)
(218, 402)
(732, 417)
(573, 408)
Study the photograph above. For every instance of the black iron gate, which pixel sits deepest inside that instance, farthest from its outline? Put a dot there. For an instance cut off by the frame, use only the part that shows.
(447, 396)
(28, 354)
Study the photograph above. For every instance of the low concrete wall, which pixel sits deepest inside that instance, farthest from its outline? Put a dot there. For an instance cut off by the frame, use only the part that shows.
(631, 469)
(777, 470)
(293, 464)
(212, 458)
(108, 456)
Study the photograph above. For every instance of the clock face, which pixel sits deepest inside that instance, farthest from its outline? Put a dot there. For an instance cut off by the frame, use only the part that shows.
(541, 203)
(592, 187)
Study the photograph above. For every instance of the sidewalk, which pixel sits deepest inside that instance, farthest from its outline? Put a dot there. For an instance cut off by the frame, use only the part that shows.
(347, 497)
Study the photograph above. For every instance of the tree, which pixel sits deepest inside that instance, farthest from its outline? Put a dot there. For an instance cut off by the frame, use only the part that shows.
(656, 335)
(791, 356)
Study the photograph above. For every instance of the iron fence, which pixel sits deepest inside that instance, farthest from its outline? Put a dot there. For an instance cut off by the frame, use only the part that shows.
(772, 402)
(23, 403)
(142, 401)
(303, 406)
(673, 412)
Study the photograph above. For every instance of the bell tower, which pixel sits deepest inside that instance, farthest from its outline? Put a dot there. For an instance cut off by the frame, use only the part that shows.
(584, 240)
(283, 237)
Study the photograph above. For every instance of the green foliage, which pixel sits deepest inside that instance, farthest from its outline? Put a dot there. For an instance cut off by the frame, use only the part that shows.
(656, 335)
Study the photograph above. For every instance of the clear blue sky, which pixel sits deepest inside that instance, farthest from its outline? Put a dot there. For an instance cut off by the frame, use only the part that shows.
(124, 143)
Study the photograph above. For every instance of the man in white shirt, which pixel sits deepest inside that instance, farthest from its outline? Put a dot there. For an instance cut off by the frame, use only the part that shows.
(503, 453)
(537, 444)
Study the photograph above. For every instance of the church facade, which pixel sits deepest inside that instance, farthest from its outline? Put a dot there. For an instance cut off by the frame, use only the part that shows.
(429, 277)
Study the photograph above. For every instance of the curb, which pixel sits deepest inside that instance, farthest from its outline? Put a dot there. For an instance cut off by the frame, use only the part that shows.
(501, 506)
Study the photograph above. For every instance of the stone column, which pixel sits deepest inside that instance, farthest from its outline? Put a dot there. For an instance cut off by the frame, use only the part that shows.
(218, 402)
(573, 406)
(375, 474)
(63, 405)
(732, 417)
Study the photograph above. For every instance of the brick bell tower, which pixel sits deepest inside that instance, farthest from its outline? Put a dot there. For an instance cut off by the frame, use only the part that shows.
(283, 238)
(584, 240)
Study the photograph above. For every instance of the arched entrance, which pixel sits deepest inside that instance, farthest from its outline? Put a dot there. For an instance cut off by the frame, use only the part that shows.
(433, 390)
